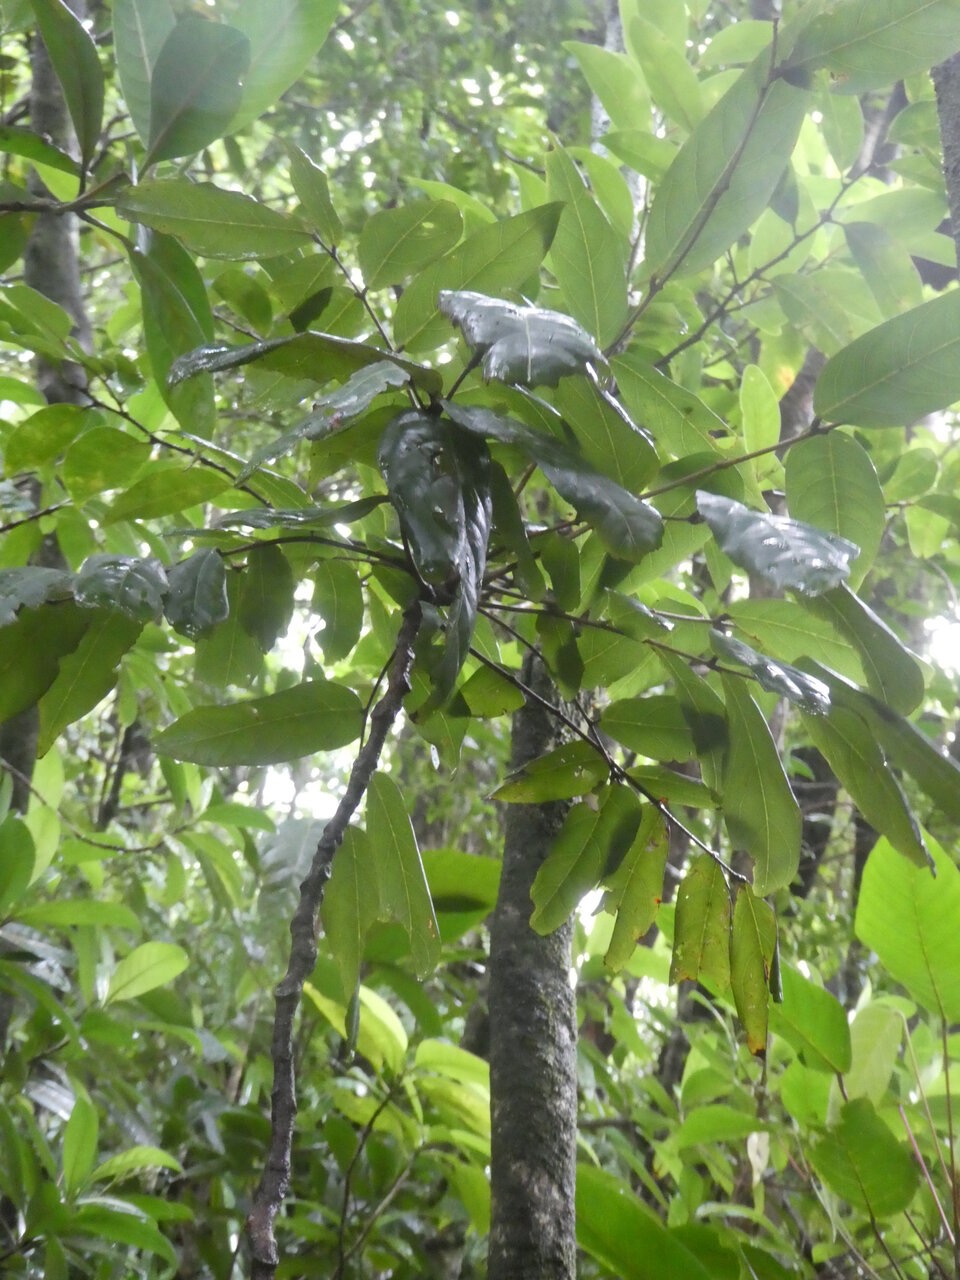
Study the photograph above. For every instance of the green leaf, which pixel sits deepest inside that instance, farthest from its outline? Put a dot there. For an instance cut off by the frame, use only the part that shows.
(908, 918)
(893, 673)
(814, 1022)
(672, 82)
(31, 649)
(102, 458)
(706, 718)
(69, 913)
(861, 1161)
(788, 553)
(898, 372)
(759, 410)
(75, 61)
(284, 37)
(79, 1145)
(166, 490)
(753, 945)
(524, 345)
(18, 141)
(31, 586)
(502, 255)
(140, 30)
(135, 1160)
(309, 717)
(151, 965)
(86, 675)
(195, 87)
(786, 628)
(613, 78)
(228, 655)
(313, 191)
(654, 726)
(717, 1123)
(18, 856)
(869, 44)
(725, 173)
(351, 905)
(198, 593)
(404, 893)
(804, 691)
(266, 595)
(212, 221)
(759, 808)
(396, 243)
(850, 748)
(610, 441)
(701, 935)
(587, 256)
(44, 435)
(831, 482)
(120, 1223)
(635, 889)
(574, 769)
(338, 599)
(132, 586)
(677, 420)
(876, 1035)
(886, 266)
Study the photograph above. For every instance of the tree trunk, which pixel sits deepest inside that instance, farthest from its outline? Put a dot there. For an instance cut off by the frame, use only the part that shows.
(946, 82)
(533, 1081)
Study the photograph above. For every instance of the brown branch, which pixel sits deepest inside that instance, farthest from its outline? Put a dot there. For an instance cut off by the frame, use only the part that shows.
(303, 956)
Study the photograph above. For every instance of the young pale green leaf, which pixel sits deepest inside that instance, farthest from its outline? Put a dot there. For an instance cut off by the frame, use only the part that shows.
(297, 722)
(610, 441)
(198, 593)
(677, 420)
(195, 87)
(716, 1123)
(893, 673)
(285, 36)
(803, 690)
(67, 913)
(759, 410)
(655, 726)
(788, 553)
(909, 918)
(587, 255)
(898, 372)
(886, 266)
(613, 78)
(79, 1145)
(705, 715)
(351, 905)
(130, 585)
(31, 586)
(876, 1035)
(523, 345)
(850, 747)
(404, 893)
(831, 482)
(753, 945)
(701, 937)
(86, 675)
(814, 1022)
(501, 255)
(313, 192)
(759, 808)
(266, 595)
(18, 858)
(151, 965)
(725, 173)
(212, 221)
(635, 889)
(140, 30)
(573, 769)
(338, 600)
(861, 1161)
(75, 61)
(45, 434)
(870, 44)
(135, 1160)
(396, 243)
(18, 141)
(672, 82)
(31, 649)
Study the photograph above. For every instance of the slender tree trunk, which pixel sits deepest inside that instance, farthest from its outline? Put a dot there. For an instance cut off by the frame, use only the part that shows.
(533, 1082)
(946, 81)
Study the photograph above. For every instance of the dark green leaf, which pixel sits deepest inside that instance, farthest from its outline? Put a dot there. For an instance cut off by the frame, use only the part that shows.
(804, 691)
(310, 717)
(523, 345)
(785, 627)
(351, 905)
(753, 943)
(212, 221)
(86, 674)
(635, 889)
(863, 1162)
(284, 37)
(706, 718)
(814, 1022)
(136, 587)
(195, 87)
(831, 482)
(266, 595)
(31, 649)
(338, 599)
(313, 192)
(228, 655)
(17, 141)
(299, 517)
(701, 935)
(75, 60)
(898, 372)
(759, 808)
(396, 243)
(140, 30)
(725, 173)
(404, 893)
(121, 1226)
(786, 552)
(610, 441)
(198, 593)
(573, 769)
(31, 586)
(655, 726)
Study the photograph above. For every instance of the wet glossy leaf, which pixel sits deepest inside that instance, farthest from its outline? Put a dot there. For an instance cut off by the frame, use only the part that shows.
(573, 769)
(524, 345)
(814, 1022)
(297, 722)
(86, 675)
(898, 372)
(140, 30)
(635, 889)
(75, 61)
(759, 808)
(198, 593)
(284, 37)
(195, 87)
(803, 690)
(788, 553)
(753, 944)
(864, 1163)
(136, 587)
(396, 243)
(31, 586)
(701, 942)
(151, 965)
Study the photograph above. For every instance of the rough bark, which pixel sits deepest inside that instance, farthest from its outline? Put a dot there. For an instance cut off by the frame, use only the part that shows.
(946, 82)
(533, 1082)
